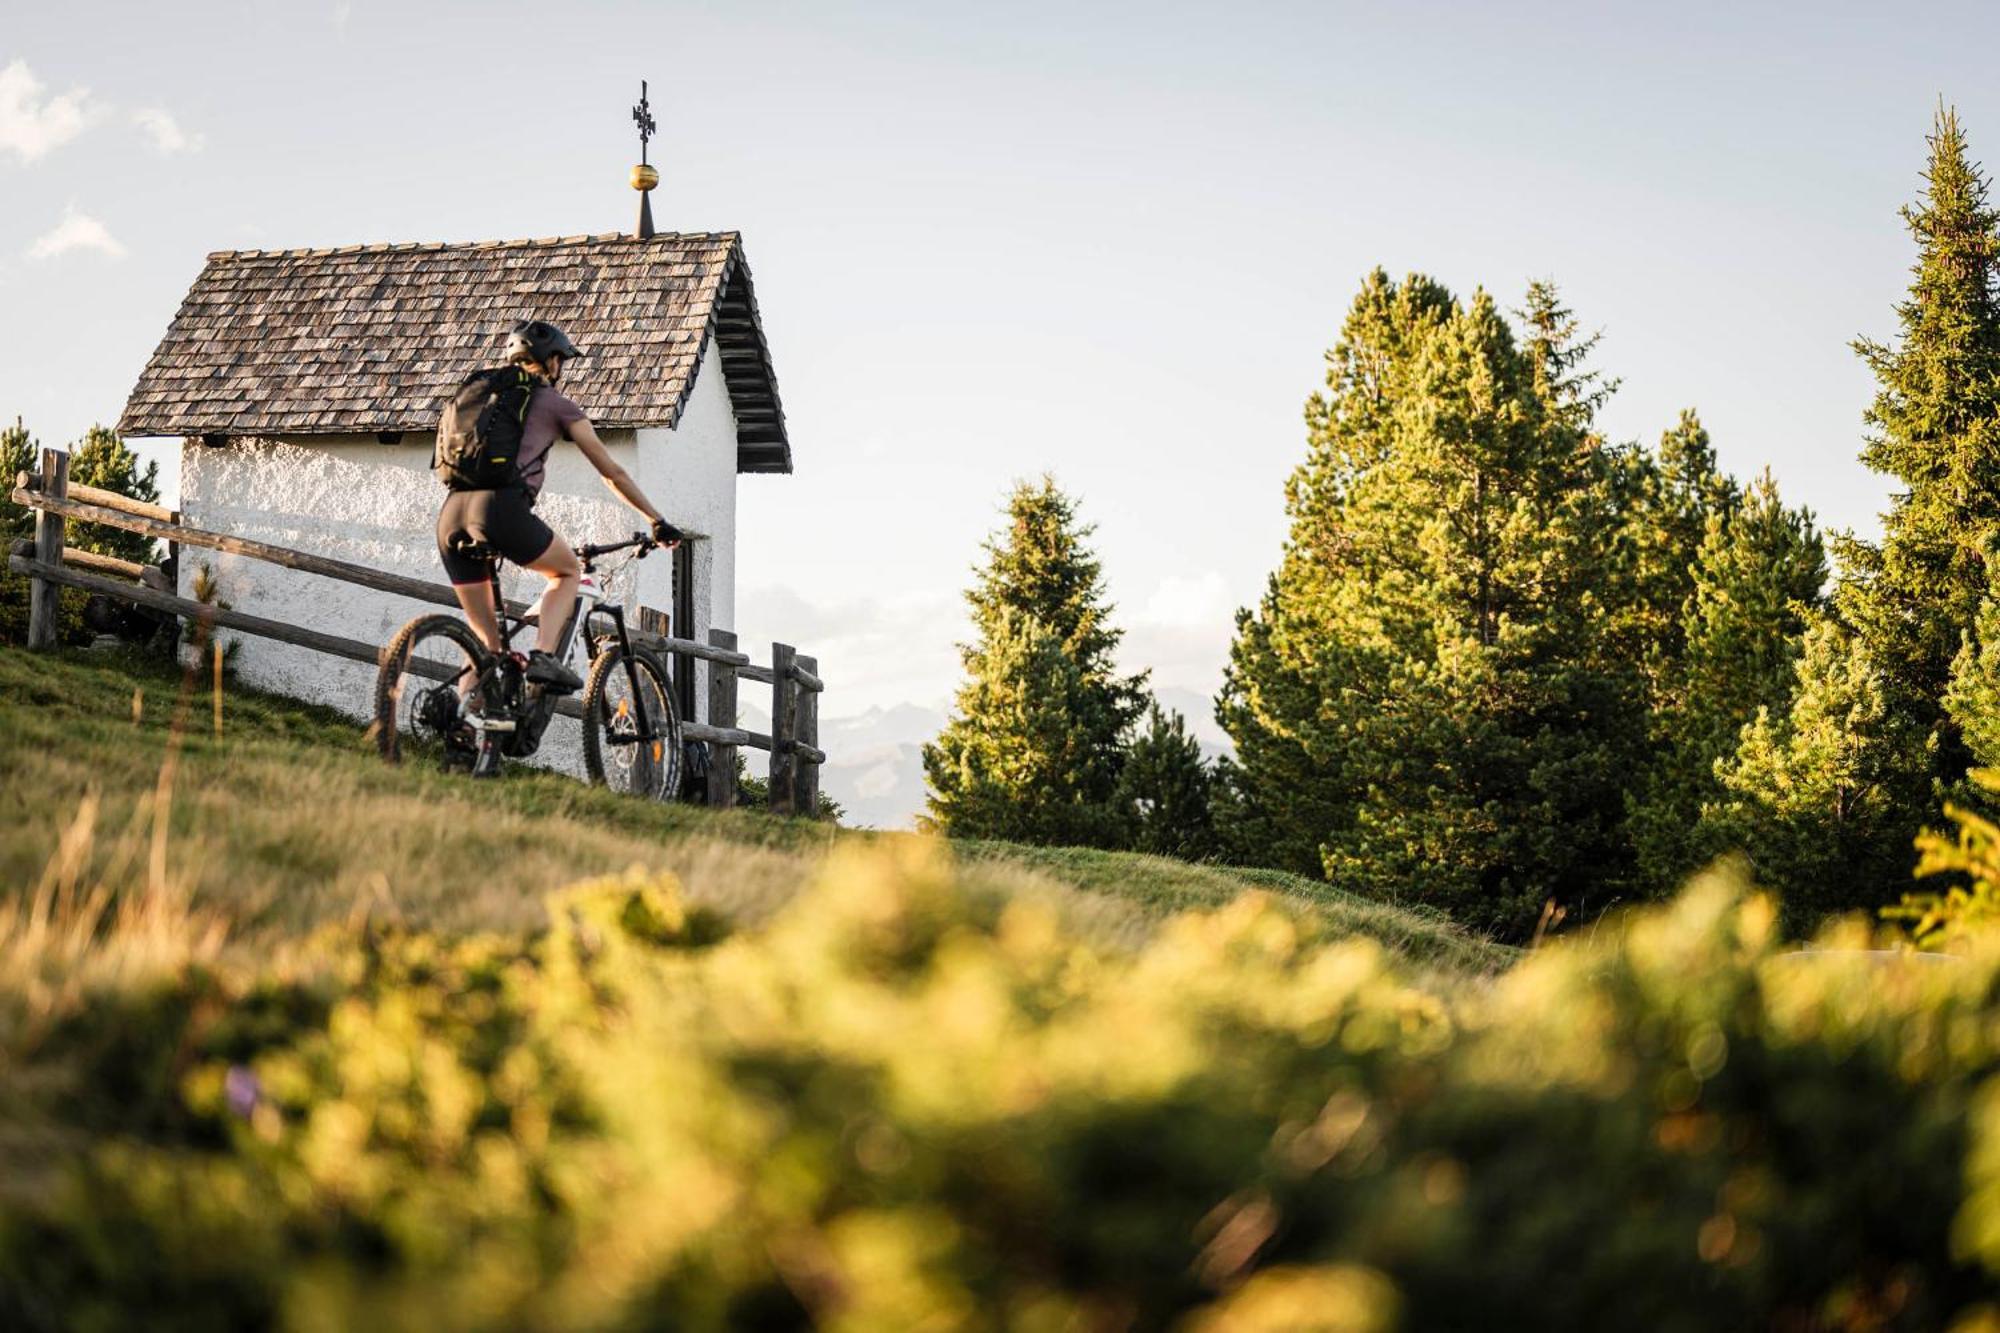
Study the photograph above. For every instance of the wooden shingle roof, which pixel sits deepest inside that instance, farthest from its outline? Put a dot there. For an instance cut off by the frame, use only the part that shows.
(372, 338)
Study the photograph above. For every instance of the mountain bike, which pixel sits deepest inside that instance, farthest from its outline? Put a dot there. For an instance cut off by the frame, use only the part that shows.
(440, 689)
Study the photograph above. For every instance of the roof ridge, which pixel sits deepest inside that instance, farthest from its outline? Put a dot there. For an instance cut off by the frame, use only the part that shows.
(731, 237)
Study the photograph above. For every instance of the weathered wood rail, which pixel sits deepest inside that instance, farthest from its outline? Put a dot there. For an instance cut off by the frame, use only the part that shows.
(792, 743)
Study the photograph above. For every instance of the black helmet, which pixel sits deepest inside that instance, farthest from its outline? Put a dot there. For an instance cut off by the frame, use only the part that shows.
(536, 340)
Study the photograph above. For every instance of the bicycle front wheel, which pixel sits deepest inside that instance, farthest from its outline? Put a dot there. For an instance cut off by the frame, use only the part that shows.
(417, 689)
(631, 734)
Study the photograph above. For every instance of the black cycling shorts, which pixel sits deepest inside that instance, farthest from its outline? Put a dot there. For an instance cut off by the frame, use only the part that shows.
(504, 521)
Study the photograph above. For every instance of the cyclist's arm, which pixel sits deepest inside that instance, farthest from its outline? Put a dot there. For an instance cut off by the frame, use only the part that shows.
(584, 436)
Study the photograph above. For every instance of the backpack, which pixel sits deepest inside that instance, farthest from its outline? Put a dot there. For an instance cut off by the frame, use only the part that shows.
(479, 436)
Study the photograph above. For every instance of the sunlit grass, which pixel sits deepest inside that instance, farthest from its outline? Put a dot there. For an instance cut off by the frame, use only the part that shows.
(289, 820)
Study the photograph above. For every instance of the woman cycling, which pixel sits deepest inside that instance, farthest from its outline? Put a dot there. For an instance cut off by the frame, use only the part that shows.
(503, 520)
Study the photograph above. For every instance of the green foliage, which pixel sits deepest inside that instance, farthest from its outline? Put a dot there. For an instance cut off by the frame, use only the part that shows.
(1934, 429)
(906, 1101)
(754, 793)
(1033, 750)
(22, 452)
(1164, 790)
(1821, 793)
(1754, 579)
(101, 459)
(1429, 699)
(1958, 914)
(1972, 695)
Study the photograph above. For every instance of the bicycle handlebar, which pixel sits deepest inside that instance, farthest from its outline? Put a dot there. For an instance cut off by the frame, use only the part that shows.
(640, 539)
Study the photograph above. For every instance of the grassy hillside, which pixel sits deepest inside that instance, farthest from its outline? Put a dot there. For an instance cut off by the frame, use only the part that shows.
(289, 820)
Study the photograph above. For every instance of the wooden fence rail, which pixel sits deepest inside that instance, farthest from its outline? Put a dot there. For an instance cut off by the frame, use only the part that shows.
(49, 563)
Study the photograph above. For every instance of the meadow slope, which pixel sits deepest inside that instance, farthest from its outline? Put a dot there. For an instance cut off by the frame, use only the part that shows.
(288, 820)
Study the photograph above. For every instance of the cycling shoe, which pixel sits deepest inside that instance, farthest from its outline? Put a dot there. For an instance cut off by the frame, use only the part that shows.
(551, 674)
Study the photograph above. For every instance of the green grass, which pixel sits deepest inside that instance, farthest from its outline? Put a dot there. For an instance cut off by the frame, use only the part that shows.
(289, 819)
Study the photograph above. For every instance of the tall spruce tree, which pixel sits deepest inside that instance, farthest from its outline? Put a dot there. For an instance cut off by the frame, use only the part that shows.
(1034, 749)
(1755, 580)
(1852, 773)
(1434, 645)
(1935, 428)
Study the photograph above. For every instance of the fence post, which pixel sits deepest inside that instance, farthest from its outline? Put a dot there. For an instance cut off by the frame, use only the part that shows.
(807, 730)
(722, 713)
(43, 595)
(784, 723)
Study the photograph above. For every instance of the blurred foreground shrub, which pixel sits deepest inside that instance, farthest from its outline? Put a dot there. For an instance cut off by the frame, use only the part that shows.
(907, 1104)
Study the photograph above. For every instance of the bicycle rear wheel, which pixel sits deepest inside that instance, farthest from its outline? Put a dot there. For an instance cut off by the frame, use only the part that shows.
(417, 697)
(631, 737)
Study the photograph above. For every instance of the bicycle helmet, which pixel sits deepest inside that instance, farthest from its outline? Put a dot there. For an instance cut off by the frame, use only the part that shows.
(536, 340)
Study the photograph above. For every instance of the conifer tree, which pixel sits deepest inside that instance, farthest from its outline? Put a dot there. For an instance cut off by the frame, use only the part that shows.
(1820, 793)
(1164, 790)
(1841, 808)
(1668, 496)
(1034, 749)
(1288, 784)
(1756, 578)
(102, 460)
(1434, 643)
(1935, 428)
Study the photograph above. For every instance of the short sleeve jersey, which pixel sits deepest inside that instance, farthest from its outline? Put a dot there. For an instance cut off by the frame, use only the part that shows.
(551, 416)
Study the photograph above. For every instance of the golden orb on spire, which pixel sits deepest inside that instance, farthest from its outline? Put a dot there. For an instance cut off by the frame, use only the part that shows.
(644, 177)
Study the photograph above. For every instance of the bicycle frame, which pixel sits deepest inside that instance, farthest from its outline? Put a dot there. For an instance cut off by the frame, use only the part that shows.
(540, 705)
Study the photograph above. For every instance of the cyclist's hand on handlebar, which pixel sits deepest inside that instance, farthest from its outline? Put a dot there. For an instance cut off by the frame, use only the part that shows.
(666, 534)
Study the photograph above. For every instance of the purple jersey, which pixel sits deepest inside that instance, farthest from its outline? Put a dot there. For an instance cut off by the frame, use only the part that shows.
(550, 416)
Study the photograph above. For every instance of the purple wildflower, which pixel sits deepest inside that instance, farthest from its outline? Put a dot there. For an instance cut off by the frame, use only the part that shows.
(242, 1090)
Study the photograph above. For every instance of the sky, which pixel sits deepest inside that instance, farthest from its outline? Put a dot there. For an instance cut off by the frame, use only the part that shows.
(1108, 242)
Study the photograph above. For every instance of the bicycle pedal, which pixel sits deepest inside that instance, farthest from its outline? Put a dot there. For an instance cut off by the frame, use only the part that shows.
(491, 724)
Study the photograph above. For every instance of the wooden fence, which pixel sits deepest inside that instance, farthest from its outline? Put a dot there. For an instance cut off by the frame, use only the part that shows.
(793, 742)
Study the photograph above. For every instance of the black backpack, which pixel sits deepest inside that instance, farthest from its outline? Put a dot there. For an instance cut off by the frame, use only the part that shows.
(479, 436)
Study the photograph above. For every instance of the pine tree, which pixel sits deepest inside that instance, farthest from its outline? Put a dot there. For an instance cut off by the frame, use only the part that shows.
(1756, 579)
(1820, 793)
(1036, 743)
(1164, 790)
(1434, 645)
(1935, 428)
(101, 459)
(1668, 497)
(1289, 783)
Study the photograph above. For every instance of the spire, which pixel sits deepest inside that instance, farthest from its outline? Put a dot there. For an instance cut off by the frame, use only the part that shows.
(644, 178)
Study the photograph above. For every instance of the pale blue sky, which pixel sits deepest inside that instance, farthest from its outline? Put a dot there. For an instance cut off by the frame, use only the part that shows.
(1110, 241)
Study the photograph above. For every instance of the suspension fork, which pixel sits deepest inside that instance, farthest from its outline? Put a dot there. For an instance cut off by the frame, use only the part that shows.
(645, 718)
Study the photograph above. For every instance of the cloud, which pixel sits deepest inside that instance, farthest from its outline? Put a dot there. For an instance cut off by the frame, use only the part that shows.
(167, 135)
(32, 126)
(77, 231)
(342, 14)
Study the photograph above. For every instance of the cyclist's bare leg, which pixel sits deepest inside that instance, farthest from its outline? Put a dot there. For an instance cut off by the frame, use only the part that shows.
(476, 600)
(559, 566)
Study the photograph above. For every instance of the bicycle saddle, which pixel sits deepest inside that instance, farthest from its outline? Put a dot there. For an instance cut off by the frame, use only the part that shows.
(471, 547)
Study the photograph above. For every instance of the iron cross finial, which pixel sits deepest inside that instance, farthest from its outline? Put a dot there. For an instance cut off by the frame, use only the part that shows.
(642, 116)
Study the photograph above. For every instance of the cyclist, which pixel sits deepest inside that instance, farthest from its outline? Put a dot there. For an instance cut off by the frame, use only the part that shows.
(504, 520)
